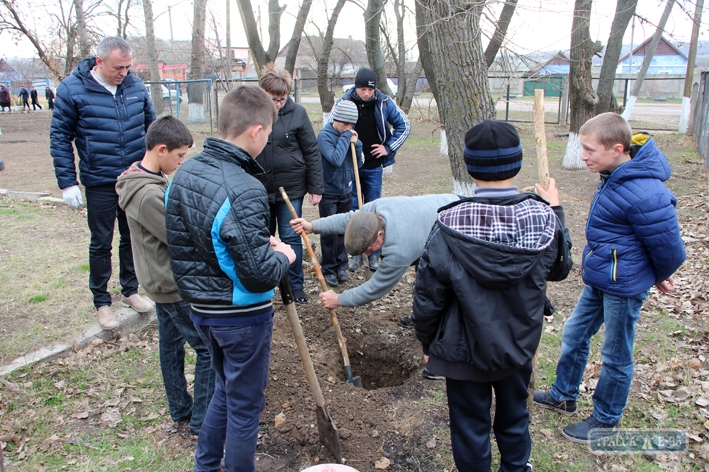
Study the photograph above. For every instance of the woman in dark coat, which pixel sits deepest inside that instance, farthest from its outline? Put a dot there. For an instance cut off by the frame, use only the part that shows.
(49, 95)
(291, 159)
(5, 98)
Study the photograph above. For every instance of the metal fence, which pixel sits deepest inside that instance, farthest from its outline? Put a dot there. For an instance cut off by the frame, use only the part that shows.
(190, 101)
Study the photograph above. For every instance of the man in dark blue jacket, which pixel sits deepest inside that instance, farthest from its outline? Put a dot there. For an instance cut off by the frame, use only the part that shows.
(105, 111)
(377, 114)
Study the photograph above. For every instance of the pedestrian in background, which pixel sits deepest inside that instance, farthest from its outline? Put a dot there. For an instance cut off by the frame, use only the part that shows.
(25, 97)
(49, 95)
(35, 98)
(5, 99)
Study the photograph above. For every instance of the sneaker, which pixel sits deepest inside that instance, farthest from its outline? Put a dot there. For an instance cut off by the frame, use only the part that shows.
(427, 374)
(138, 303)
(331, 280)
(106, 318)
(355, 263)
(342, 276)
(373, 262)
(300, 296)
(545, 400)
(581, 432)
(407, 322)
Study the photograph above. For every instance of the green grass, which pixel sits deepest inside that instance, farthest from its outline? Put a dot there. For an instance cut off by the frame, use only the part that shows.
(38, 298)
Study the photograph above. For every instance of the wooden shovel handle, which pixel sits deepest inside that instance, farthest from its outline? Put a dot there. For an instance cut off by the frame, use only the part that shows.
(287, 297)
(333, 314)
(356, 173)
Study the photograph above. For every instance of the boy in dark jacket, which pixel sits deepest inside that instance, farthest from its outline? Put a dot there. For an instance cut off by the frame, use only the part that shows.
(141, 195)
(226, 264)
(479, 297)
(633, 243)
(34, 96)
(338, 172)
(25, 97)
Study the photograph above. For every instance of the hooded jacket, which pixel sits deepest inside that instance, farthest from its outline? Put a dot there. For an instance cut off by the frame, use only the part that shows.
(632, 233)
(217, 232)
(386, 113)
(337, 165)
(480, 287)
(108, 131)
(4, 95)
(141, 195)
(291, 158)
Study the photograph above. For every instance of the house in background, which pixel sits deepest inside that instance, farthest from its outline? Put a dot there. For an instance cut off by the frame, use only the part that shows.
(557, 65)
(8, 74)
(668, 59)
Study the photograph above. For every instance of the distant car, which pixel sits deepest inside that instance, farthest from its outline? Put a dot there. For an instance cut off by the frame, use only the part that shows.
(171, 94)
(390, 82)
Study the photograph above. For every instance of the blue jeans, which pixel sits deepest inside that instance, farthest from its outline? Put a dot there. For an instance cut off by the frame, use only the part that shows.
(174, 328)
(240, 357)
(620, 315)
(280, 216)
(102, 211)
(371, 182)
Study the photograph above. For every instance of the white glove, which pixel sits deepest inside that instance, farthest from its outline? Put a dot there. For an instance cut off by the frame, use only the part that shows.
(72, 196)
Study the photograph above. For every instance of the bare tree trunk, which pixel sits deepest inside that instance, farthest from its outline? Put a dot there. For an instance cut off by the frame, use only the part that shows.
(372, 20)
(155, 89)
(408, 97)
(500, 31)
(583, 98)
(294, 43)
(196, 90)
(229, 59)
(327, 97)
(624, 11)
(81, 26)
(649, 53)
(689, 76)
(452, 41)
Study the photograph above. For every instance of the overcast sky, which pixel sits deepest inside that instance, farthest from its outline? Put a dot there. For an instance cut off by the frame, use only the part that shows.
(538, 25)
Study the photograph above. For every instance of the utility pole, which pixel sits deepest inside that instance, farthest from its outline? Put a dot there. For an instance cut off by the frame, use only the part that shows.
(172, 38)
(649, 53)
(689, 78)
(630, 56)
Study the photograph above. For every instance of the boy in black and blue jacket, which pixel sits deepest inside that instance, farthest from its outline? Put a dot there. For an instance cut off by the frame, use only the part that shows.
(334, 141)
(479, 297)
(633, 243)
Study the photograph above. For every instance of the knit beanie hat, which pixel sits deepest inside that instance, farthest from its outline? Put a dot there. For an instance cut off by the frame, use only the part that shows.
(361, 231)
(492, 151)
(345, 111)
(365, 78)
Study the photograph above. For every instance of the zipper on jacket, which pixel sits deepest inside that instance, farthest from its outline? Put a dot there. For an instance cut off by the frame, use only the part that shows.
(120, 128)
(614, 264)
(585, 259)
(598, 194)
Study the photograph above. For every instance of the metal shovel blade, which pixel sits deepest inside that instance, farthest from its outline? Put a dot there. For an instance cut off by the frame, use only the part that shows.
(327, 431)
(356, 381)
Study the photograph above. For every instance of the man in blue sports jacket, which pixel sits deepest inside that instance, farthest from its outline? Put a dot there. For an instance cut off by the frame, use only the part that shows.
(105, 111)
(377, 114)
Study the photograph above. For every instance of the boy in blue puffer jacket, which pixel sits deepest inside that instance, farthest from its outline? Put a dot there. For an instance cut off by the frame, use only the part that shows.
(338, 173)
(633, 243)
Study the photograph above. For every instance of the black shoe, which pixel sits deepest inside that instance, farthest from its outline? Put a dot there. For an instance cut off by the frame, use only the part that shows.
(373, 262)
(427, 374)
(581, 432)
(299, 296)
(331, 280)
(545, 400)
(342, 276)
(407, 322)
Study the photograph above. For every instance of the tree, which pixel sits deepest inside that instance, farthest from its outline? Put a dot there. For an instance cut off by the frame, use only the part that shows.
(327, 97)
(196, 90)
(498, 36)
(583, 98)
(451, 52)
(155, 88)
(81, 25)
(372, 22)
(121, 14)
(624, 11)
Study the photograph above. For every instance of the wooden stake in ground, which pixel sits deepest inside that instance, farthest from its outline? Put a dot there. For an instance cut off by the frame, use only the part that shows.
(540, 138)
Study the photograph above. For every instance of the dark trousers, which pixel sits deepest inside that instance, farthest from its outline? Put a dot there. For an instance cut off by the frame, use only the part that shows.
(371, 182)
(102, 211)
(50, 101)
(36, 104)
(175, 327)
(469, 409)
(334, 256)
(240, 358)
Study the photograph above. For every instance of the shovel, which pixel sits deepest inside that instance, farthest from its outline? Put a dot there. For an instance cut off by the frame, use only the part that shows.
(326, 426)
(360, 202)
(356, 381)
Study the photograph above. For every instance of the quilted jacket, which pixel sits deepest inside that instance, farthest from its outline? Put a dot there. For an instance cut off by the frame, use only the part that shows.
(291, 158)
(217, 229)
(386, 113)
(337, 165)
(632, 233)
(108, 131)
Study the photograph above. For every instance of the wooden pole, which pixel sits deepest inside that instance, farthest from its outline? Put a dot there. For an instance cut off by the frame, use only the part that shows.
(540, 140)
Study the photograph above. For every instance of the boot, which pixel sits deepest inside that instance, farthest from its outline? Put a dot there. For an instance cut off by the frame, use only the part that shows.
(355, 263)
(106, 318)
